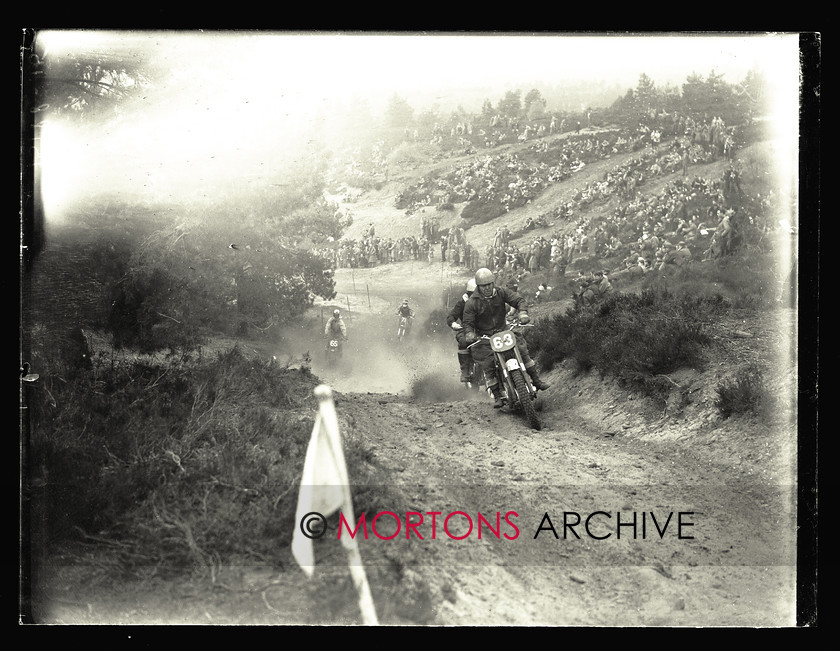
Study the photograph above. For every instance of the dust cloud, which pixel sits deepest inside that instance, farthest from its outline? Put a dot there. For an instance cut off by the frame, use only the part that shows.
(424, 365)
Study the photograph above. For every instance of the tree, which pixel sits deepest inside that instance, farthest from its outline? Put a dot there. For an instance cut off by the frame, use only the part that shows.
(510, 105)
(427, 119)
(399, 114)
(76, 85)
(173, 284)
(752, 92)
(487, 110)
(624, 108)
(533, 96)
(86, 81)
(710, 97)
(645, 94)
(719, 94)
(317, 222)
(535, 104)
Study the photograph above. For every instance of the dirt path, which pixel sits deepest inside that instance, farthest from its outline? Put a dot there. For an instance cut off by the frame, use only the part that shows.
(734, 565)
(598, 452)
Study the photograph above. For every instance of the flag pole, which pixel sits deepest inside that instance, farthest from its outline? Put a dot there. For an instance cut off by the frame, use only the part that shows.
(354, 557)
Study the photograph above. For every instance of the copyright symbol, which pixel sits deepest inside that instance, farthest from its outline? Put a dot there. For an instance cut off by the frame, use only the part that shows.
(313, 525)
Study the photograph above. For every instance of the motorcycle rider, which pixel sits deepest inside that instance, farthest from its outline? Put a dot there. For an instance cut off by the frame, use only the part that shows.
(453, 320)
(335, 328)
(406, 311)
(484, 314)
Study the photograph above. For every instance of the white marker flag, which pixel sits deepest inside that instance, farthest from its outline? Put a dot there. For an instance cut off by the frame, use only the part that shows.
(324, 489)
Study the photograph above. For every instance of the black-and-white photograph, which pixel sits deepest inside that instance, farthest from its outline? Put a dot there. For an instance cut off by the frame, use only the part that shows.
(439, 329)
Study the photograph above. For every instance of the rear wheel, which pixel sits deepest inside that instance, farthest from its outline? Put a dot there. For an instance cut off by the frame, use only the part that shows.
(525, 399)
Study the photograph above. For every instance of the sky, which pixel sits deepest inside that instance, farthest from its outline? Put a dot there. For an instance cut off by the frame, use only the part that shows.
(228, 96)
(344, 63)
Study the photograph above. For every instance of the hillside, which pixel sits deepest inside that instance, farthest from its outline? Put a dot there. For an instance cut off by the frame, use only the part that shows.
(434, 448)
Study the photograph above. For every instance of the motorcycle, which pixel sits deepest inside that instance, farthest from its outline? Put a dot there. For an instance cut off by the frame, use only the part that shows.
(333, 351)
(404, 327)
(514, 382)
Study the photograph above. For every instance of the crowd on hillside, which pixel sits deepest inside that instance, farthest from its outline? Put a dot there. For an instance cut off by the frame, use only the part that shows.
(509, 179)
(697, 219)
(691, 218)
(497, 131)
(432, 245)
(513, 179)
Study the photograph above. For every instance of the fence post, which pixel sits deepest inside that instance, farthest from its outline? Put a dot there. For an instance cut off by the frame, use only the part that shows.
(367, 287)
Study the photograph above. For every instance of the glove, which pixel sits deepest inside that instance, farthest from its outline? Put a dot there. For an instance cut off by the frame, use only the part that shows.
(470, 338)
(524, 318)
(456, 326)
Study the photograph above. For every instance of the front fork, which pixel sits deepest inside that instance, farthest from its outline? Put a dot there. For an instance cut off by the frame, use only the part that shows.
(506, 362)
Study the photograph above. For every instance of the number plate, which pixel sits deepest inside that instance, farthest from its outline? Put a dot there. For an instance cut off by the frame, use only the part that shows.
(504, 340)
(334, 343)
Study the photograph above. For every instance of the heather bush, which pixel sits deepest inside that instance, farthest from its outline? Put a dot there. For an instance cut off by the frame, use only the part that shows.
(478, 211)
(634, 337)
(745, 393)
(178, 466)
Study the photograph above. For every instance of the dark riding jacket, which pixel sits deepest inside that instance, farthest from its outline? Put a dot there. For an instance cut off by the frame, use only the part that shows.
(486, 316)
(457, 311)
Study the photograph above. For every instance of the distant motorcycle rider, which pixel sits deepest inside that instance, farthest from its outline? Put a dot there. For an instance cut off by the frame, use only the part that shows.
(453, 320)
(484, 314)
(405, 311)
(335, 327)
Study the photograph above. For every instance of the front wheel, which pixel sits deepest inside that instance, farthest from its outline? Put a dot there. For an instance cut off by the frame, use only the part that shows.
(525, 399)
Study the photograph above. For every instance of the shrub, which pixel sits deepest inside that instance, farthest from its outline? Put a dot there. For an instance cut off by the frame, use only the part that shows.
(409, 155)
(633, 337)
(479, 212)
(180, 466)
(746, 392)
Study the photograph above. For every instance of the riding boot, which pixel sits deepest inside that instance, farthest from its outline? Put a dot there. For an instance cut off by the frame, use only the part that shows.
(499, 399)
(538, 383)
(466, 371)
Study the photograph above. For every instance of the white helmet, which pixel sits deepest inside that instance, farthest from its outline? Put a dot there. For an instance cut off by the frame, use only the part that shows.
(471, 285)
(336, 313)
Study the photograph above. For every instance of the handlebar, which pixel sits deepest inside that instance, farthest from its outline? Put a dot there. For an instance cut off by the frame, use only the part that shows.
(478, 341)
(510, 326)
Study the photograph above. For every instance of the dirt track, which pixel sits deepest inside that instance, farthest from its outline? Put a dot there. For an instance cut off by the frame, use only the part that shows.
(449, 453)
